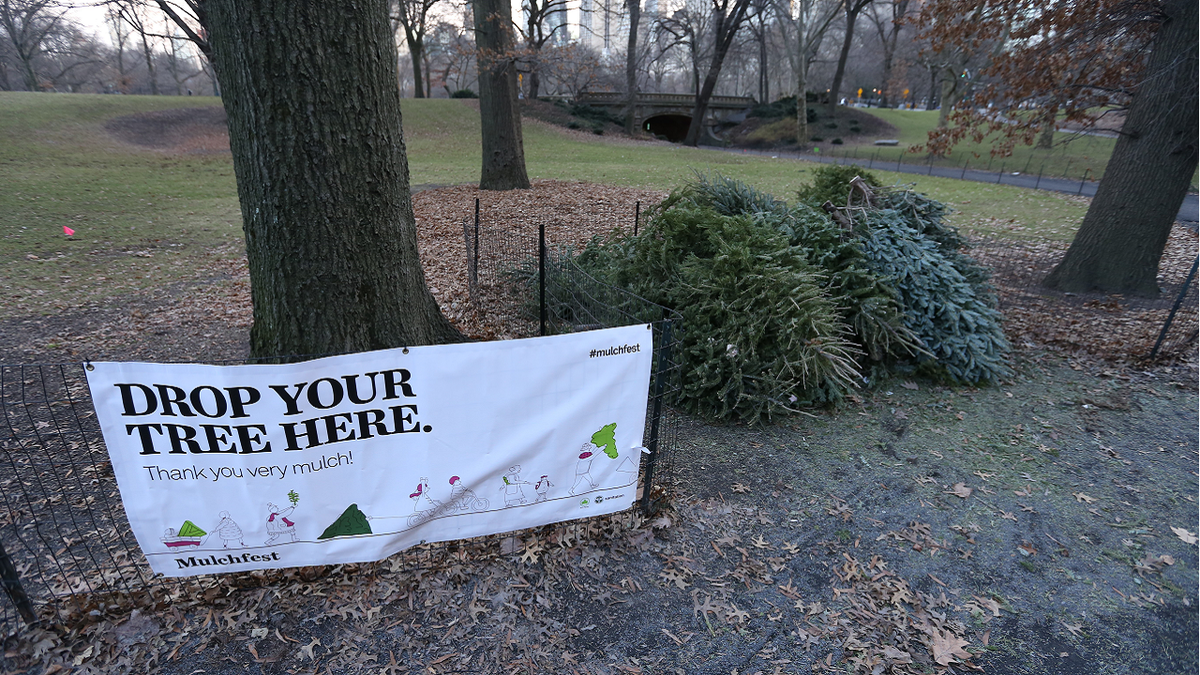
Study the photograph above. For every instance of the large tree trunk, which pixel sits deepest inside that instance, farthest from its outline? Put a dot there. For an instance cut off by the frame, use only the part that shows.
(635, 15)
(853, 7)
(1123, 235)
(416, 49)
(726, 28)
(802, 49)
(314, 126)
(150, 72)
(499, 112)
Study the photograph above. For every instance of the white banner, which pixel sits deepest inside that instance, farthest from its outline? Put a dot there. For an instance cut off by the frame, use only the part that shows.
(353, 458)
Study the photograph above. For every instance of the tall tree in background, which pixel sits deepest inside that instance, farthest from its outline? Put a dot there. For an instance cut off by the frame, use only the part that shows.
(727, 17)
(889, 20)
(29, 26)
(134, 13)
(314, 127)
(412, 16)
(812, 20)
(1136, 55)
(499, 110)
(545, 22)
(634, 9)
(853, 9)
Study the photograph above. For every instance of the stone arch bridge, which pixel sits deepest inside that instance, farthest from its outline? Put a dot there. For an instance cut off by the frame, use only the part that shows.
(668, 115)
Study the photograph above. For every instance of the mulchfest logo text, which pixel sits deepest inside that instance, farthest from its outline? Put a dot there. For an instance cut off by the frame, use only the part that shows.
(212, 560)
(303, 400)
(614, 351)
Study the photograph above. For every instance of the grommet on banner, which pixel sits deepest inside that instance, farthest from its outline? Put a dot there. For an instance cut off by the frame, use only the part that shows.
(87, 364)
(405, 350)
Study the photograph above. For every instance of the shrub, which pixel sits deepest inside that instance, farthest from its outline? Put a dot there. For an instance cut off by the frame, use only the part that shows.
(782, 108)
(836, 141)
(464, 93)
(597, 116)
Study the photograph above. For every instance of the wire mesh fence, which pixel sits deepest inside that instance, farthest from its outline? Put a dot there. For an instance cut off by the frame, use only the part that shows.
(67, 545)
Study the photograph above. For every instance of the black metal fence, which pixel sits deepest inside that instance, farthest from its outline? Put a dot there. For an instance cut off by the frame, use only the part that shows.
(67, 548)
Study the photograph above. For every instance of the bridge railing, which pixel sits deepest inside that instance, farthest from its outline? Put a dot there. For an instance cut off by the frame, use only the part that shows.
(656, 99)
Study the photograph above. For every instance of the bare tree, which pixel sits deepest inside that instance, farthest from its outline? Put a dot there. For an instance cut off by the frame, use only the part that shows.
(29, 26)
(136, 14)
(727, 18)
(853, 9)
(889, 20)
(412, 16)
(545, 24)
(812, 20)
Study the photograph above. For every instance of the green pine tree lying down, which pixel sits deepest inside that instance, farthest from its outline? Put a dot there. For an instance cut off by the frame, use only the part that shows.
(787, 306)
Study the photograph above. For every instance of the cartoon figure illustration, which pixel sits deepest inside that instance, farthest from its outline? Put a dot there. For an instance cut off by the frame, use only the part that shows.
(424, 506)
(513, 494)
(463, 498)
(541, 488)
(228, 530)
(583, 470)
(278, 523)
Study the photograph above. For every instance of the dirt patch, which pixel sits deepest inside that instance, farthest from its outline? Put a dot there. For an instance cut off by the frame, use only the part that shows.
(179, 130)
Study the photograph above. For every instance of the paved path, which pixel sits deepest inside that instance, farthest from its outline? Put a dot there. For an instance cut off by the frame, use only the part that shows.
(1188, 211)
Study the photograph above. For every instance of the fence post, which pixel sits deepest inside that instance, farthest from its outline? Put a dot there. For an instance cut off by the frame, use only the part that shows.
(1038, 184)
(1175, 308)
(637, 215)
(12, 586)
(1082, 181)
(1001, 174)
(664, 361)
(541, 278)
(964, 171)
(477, 235)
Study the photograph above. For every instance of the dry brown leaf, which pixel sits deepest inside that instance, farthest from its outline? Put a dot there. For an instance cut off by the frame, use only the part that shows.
(960, 490)
(1187, 537)
(1080, 497)
(947, 648)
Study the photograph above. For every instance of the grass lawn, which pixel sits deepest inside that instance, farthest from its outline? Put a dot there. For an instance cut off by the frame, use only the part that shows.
(1071, 156)
(147, 218)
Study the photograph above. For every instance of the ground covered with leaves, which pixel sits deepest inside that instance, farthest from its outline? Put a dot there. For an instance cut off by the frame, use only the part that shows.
(1043, 525)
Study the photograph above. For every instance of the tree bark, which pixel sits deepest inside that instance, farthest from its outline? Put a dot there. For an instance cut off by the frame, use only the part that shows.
(853, 8)
(499, 111)
(314, 128)
(1121, 240)
(635, 15)
(416, 49)
(725, 29)
(802, 48)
